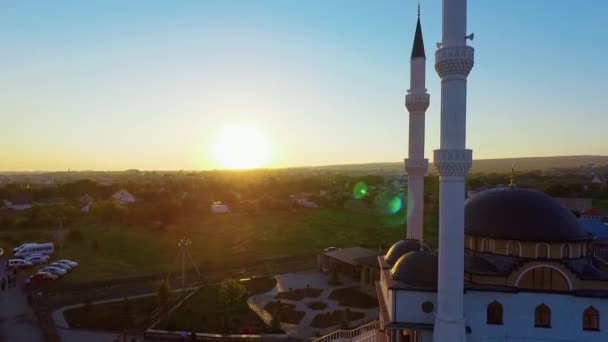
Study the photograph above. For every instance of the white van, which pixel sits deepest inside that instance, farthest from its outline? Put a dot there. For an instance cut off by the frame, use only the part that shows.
(39, 248)
(16, 249)
(17, 263)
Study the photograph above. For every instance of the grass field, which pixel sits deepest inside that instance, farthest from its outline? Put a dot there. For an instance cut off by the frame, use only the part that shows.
(111, 252)
(601, 204)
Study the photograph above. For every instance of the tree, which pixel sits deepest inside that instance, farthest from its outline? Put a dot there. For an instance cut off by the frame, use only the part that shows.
(128, 312)
(275, 322)
(164, 292)
(231, 293)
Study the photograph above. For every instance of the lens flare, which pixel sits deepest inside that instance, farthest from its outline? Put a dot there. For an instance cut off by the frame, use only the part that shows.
(359, 190)
(388, 202)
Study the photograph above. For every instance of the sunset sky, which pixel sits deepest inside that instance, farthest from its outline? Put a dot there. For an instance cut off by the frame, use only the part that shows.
(112, 85)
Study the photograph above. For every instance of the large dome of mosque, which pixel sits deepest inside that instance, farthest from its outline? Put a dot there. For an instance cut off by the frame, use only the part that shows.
(514, 213)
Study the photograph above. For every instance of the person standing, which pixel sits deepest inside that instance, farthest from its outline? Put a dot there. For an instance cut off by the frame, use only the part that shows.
(2, 283)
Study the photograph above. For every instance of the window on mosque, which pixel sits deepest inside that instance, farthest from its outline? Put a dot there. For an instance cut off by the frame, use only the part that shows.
(566, 251)
(543, 278)
(494, 313)
(591, 319)
(542, 251)
(513, 248)
(542, 316)
(487, 246)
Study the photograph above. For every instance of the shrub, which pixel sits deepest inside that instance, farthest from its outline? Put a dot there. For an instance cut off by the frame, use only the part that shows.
(75, 235)
(164, 292)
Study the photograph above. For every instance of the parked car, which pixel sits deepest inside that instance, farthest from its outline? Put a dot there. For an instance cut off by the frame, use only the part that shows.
(42, 277)
(16, 249)
(35, 249)
(70, 263)
(330, 249)
(1, 251)
(61, 265)
(37, 259)
(54, 270)
(18, 263)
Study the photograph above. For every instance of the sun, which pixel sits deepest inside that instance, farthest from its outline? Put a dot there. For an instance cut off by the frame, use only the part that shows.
(241, 147)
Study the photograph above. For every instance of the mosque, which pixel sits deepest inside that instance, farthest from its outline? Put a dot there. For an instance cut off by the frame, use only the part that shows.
(512, 264)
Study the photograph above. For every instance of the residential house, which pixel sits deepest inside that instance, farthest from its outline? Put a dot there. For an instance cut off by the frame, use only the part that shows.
(124, 197)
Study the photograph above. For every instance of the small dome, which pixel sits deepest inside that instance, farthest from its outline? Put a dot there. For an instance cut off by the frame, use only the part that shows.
(513, 213)
(417, 268)
(400, 248)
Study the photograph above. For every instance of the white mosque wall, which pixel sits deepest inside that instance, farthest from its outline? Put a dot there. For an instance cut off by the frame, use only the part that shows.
(408, 306)
(518, 317)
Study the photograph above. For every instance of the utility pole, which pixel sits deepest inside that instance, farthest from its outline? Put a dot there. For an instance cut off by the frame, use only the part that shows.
(60, 238)
(183, 244)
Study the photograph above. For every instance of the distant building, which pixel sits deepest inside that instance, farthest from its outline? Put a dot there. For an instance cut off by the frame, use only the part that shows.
(597, 180)
(85, 199)
(219, 208)
(581, 204)
(301, 199)
(354, 263)
(105, 181)
(124, 197)
(21, 201)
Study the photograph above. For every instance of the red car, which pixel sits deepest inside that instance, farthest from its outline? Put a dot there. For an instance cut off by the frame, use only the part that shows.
(42, 277)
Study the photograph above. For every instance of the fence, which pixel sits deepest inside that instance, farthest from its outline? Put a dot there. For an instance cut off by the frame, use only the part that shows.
(365, 333)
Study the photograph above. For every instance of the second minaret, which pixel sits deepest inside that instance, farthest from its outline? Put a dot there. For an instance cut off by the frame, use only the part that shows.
(416, 102)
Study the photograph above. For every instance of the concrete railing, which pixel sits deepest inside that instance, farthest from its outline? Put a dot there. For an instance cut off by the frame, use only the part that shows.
(366, 332)
(176, 335)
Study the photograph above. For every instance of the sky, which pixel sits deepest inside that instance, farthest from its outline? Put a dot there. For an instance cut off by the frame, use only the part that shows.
(113, 85)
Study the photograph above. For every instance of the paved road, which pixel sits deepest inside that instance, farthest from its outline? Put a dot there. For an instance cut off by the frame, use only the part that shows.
(17, 320)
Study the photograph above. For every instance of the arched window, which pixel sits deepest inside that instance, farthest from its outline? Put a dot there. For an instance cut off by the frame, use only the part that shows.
(591, 319)
(494, 313)
(487, 246)
(542, 251)
(543, 278)
(484, 242)
(566, 251)
(542, 316)
(513, 248)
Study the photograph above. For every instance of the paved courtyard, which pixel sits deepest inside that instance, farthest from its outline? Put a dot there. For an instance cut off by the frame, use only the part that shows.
(300, 281)
(17, 319)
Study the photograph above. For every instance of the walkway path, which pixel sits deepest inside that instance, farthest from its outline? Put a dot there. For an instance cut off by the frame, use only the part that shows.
(299, 281)
(17, 319)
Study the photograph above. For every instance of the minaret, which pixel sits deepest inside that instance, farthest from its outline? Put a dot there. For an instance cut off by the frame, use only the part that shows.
(453, 62)
(416, 102)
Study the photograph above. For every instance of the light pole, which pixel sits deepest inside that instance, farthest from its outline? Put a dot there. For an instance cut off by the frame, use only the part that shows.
(184, 243)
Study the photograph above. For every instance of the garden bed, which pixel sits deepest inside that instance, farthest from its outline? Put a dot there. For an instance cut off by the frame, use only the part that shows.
(338, 317)
(299, 294)
(286, 312)
(317, 305)
(351, 297)
(205, 312)
(116, 316)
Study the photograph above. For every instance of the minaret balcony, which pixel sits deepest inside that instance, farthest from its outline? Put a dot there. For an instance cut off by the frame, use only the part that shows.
(417, 102)
(454, 60)
(452, 163)
(416, 167)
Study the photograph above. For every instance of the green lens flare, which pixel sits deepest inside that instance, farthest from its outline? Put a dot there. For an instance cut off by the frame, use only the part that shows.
(359, 190)
(389, 202)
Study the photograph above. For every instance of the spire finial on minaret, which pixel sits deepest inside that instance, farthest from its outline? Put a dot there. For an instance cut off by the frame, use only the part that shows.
(418, 47)
(512, 179)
